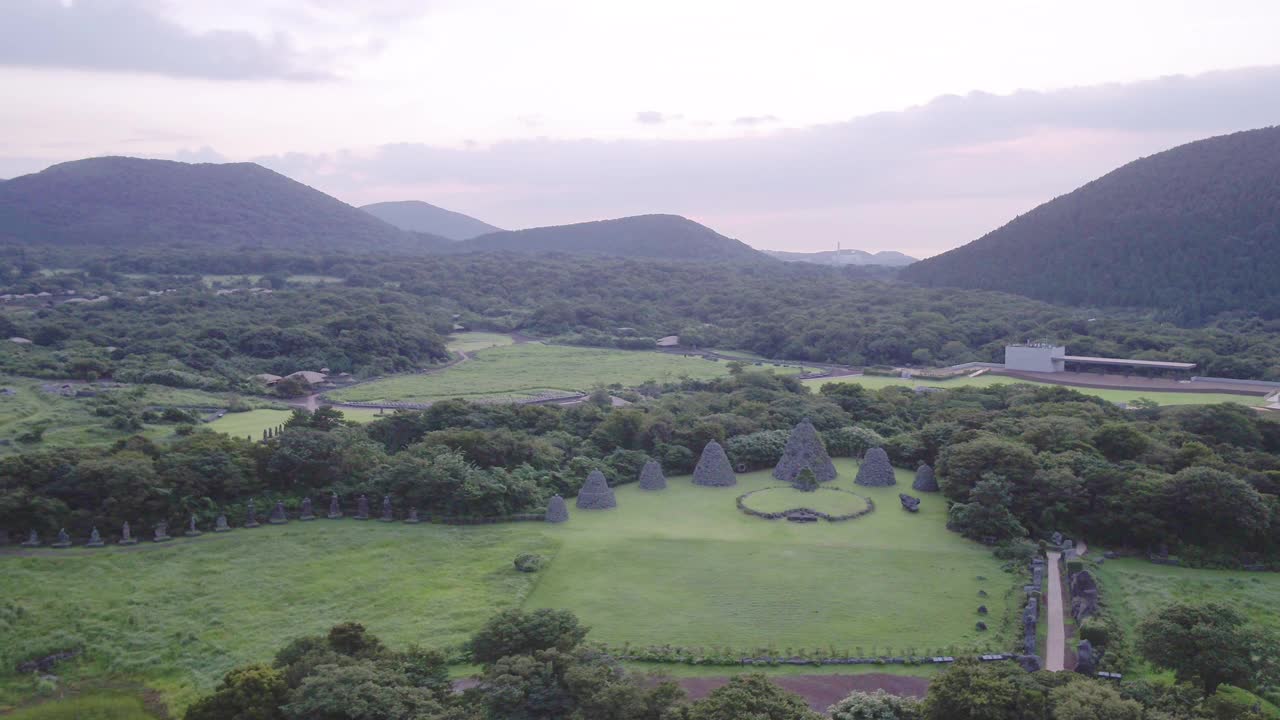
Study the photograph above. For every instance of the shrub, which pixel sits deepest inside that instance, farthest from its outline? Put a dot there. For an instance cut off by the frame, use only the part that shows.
(529, 562)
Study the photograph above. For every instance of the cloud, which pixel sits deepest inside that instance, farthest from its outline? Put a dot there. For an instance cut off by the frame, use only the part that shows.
(653, 117)
(754, 120)
(132, 36)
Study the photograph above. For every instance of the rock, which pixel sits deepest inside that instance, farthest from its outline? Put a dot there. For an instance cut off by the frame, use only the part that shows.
(1083, 590)
(251, 516)
(95, 539)
(1086, 663)
(804, 450)
(596, 493)
(557, 511)
(875, 470)
(335, 510)
(910, 504)
(126, 536)
(362, 508)
(63, 541)
(386, 510)
(1030, 663)
(192, 531)
(1056, 539)
(652, 478)
(925, 481)
(220, 525)
(981, 626)
(982, 593)
(714, 469)
(982, 609)
(162, 532)
(306, 513)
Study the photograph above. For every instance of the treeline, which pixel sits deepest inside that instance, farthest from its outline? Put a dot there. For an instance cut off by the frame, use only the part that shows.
(793, 311)
(1016, 461)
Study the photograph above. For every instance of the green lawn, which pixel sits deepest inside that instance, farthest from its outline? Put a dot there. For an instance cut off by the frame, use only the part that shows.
(681, 566)
(876, 382)
(88, 706)
(513, 371)
(472, 341)
(249, 424)
(825, 500)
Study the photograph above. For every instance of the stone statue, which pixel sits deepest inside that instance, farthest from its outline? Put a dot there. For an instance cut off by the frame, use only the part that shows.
(64, 540)
(386, 509)
(33, 540)
(126, 536)
(192, 530)
(413, 516)
(220, 525)
(162, 532)
(251, 517)
(277, 514)
(95, 539)
(362, 508)
(306, 510)
(335, 510)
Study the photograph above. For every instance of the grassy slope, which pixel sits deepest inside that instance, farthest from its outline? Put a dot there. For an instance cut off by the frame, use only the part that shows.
(524, 369)
(875, 382)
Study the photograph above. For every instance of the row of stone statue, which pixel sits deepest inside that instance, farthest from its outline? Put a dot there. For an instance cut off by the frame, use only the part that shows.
(278, 516)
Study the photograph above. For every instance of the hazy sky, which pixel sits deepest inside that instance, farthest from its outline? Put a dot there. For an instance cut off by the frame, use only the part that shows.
(915, 126)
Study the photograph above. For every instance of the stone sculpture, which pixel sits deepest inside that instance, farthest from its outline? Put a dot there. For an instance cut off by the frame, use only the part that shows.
(596, 493)
(278, 516)
(251, 517)
(220, 525)
(33, 540)
(126, 536)
(362, 508)
(413, 516)
(63, 541)
(875, 470)
(651, 477)
(804, 450)
(306, 510)
(557, 511)
(162, 532)
(95, 539)
(192, 530)
(925, 481)
(386, 510)
(335, 510)
(714, 469)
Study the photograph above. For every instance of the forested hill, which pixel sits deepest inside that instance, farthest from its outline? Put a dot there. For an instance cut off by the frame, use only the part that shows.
(424, 217)
(121, 203)
(1194, 230)
(668, 237)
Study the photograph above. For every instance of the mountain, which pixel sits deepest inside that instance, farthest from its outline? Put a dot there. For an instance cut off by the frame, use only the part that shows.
(419, 216)
(1193, 231)
(121, 202)
(643, 236)
(888, 258)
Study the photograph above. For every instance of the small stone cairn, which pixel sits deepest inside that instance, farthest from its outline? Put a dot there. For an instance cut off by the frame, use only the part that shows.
(95, 539)
(925, 481)
(714, 469)
(804, 450)
(386, 510)
(362, 508)
(162, 532)
(63, 541)
(126, 536)
(251, 516)
(335, 509)
(307, 514)
(192, 530)
(220, 525)
(651, 477)
(596, 493)
(557, 510)
(875, 470)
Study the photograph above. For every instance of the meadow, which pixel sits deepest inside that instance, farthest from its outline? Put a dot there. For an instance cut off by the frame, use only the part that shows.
(525, 370)
(876, 382)
(251, 424)
(472, 341)
(681, 566)
(1134, 588)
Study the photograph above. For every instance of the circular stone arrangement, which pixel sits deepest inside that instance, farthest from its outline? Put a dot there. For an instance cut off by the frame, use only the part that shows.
(832, 504)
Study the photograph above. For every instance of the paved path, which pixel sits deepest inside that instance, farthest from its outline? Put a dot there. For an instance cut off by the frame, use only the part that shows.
(1055, 650)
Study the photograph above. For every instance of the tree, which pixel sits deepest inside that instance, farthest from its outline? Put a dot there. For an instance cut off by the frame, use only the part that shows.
(362, 691)
(1120, 441)
(1211, 507)
(806, 481)
(878, 705)
(987, 513)
(751, 697)
(1083, 699)
(517, 632)
(970, 690)
(1207, 644)
(962, 465)
(254, 692)
(350, 638)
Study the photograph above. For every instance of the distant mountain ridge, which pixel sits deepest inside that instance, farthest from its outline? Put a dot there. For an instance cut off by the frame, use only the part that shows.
(887, 258)
(1191, 231)
(122, 203)
(418, 216)
(640, 236)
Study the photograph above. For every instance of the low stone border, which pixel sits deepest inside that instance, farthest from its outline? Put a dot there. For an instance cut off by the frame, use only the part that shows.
(742, 505)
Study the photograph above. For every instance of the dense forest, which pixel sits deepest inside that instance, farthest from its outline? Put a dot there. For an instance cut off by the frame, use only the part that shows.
(1192, 231)
(646, 236)
(381, 315)
(1016, 461)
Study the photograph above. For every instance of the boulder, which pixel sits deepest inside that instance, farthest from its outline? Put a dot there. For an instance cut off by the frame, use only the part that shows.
(804, 450)
(925, 481)
(909, 503)
(651, 477)
(714, 469)
(875, 470)
(596, 493)
(1086, 662)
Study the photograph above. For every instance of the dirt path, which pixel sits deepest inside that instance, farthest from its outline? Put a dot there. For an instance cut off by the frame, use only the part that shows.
(1055, 650)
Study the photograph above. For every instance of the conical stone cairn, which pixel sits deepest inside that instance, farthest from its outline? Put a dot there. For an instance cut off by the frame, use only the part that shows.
(805, 450)
(875, 470)
(651, 477)
(925, 481)
(596, 493)
(713, 469)
(557, 510)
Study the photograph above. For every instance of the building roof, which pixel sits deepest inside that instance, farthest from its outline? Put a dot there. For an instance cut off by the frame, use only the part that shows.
(669, 341)
(310, 376)
(1162, 364)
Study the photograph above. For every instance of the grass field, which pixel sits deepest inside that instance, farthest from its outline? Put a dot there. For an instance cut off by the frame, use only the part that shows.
(825, 500)
(682, 566)
(876, 382)
(251, 424)
(516, 370)
(103, 705)
(472, 341)
(1134, 588)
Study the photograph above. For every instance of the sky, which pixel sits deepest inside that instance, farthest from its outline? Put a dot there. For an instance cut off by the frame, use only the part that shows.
(914, 126)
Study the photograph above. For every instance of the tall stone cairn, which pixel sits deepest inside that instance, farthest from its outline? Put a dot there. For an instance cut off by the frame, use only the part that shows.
(557, 510)
(651, 477)
(925, 481)
(714, 469)
(804, 450)
(596, 493)
(875, 470)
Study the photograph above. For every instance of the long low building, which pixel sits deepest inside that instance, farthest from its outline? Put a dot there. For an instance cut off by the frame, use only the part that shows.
(1050, 358)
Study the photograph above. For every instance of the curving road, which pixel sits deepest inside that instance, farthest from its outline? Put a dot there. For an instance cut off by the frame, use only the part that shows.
(1055, 650)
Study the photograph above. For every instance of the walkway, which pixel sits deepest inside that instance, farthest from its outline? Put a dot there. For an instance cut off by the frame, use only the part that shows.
(1055, 650)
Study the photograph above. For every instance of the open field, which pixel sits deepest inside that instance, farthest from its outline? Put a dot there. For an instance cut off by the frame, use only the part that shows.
(1134, 588)
(472, 341)
(516, 370)
(92, 705)
(251, 424)
(875, 382)
(682, 566)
